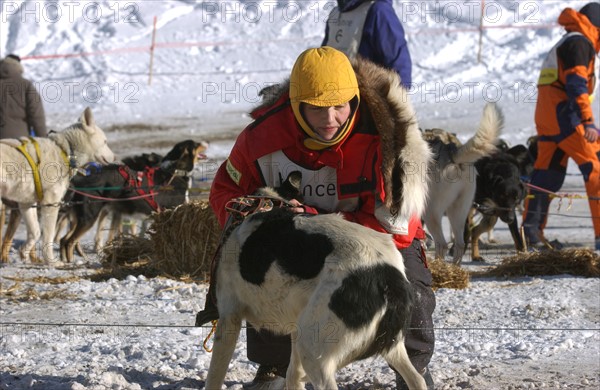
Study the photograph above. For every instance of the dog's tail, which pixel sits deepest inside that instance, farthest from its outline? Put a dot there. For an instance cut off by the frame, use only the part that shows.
(482, 144)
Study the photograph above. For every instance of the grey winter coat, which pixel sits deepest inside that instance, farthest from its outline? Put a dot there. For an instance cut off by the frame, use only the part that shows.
(21, 107)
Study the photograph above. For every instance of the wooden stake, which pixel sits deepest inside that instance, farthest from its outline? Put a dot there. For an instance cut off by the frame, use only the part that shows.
(522, 232)
(481, 32)
(152, 52)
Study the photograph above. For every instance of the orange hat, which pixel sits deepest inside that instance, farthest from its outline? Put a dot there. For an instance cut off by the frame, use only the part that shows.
(323, 77)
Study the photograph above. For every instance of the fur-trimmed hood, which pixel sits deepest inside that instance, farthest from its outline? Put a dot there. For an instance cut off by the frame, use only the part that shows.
(405, 155)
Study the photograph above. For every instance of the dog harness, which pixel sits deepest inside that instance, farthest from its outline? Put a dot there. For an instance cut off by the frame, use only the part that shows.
(135, 181)
(241, 207)
(35, 167)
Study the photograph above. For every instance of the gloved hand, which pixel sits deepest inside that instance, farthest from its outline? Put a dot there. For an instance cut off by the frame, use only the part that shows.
(394, 225)
(591, 132)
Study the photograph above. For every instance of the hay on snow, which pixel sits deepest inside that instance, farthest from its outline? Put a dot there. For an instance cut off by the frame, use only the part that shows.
(577, 262)
(448, 275)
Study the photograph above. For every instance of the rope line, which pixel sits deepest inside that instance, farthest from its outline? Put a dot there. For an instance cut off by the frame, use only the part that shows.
(100, 199)
(103, 198)
(210, 326)
(176, 45)
(557, 194)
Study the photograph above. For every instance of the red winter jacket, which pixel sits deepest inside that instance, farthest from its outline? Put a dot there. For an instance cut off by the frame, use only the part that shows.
(355, 163)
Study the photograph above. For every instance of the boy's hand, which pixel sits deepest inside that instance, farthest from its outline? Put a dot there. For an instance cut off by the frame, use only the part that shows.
(299, 208)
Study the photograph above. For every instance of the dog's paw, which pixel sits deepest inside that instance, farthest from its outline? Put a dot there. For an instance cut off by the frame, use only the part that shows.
(478, 259)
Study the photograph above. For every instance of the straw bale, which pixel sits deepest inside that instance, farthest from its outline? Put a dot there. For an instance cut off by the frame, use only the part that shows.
(448, 275)
(185, 240)
(126, 249)
(125, 255)
(578, 262)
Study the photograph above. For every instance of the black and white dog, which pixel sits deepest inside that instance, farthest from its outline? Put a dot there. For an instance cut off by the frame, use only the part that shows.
(338, 288)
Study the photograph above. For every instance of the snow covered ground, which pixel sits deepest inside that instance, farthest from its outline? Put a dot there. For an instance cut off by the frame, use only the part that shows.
(211, 59)
(64, 331)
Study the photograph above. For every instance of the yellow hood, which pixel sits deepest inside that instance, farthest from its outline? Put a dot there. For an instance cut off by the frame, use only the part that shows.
(323, 77)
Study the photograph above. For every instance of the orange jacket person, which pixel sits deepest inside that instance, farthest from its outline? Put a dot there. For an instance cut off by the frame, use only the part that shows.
(565, 121)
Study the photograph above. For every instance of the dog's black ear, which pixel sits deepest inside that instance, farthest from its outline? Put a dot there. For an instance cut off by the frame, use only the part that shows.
(523, 157)
(295, 179)
(290, 188)
(178, 150)
(519, 152)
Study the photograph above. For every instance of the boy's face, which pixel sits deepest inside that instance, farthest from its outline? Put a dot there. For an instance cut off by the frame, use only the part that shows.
(326, 121)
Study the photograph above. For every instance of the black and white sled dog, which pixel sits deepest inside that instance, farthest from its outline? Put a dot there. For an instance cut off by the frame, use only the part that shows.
(338, 288)
(453, 179)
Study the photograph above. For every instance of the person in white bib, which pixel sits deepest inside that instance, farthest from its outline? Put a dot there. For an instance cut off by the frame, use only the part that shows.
(371, 29)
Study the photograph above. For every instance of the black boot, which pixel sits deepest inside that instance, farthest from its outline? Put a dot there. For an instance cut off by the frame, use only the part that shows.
(210, 313)
(268, 378)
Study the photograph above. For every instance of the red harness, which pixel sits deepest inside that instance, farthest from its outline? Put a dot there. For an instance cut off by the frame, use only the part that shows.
(136, 182)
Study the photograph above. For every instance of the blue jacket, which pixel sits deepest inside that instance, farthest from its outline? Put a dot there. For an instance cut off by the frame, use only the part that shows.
(383, 40)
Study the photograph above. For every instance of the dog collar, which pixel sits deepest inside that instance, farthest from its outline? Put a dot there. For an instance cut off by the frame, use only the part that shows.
(66, 152)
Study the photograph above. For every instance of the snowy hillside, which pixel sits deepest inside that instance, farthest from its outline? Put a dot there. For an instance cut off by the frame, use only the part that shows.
(211, 58)
(60, 330)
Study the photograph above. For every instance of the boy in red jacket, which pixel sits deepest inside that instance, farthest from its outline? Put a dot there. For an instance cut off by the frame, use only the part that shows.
(360, 153)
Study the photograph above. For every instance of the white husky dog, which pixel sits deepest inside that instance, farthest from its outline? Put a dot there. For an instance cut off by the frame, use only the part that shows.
(41, 174)
(453, 183)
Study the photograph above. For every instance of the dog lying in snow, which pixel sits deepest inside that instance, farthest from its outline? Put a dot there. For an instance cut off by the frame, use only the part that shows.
(453, 184)
(309, 275)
